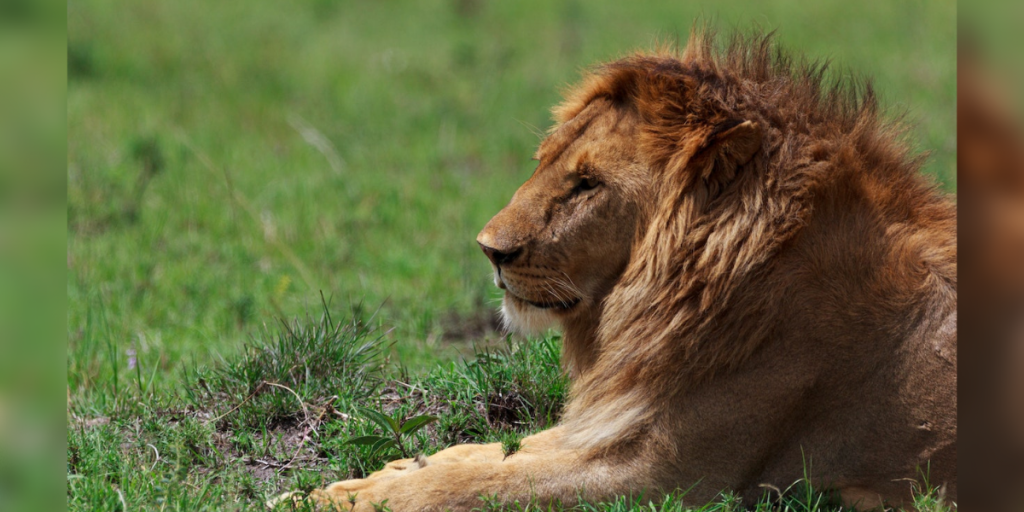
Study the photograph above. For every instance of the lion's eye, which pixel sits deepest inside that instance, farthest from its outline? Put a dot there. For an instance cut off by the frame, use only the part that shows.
(586, 184)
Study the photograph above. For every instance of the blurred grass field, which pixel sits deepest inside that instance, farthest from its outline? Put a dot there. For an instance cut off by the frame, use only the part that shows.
(228, 162)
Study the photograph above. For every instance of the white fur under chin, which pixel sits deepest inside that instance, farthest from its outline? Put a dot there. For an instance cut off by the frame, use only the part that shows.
(526, 320)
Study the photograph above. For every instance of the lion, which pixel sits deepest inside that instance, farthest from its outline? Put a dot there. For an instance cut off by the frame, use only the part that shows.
(754, 285)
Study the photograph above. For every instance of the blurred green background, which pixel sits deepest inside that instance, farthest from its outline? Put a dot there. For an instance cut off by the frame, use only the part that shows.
(227, 161)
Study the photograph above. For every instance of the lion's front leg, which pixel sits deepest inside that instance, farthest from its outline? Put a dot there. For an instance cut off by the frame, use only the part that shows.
(457, 478)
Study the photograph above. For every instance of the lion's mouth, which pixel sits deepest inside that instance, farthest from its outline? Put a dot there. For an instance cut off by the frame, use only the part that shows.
(558, 305)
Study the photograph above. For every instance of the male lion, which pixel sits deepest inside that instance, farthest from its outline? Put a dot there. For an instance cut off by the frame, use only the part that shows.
(753, 282)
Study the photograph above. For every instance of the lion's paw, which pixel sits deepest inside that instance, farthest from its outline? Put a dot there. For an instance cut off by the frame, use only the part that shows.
(336, 500)
(286, 498)
(316, 500)
(348, 494)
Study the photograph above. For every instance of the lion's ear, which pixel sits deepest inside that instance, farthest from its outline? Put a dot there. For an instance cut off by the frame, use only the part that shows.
(729, 145)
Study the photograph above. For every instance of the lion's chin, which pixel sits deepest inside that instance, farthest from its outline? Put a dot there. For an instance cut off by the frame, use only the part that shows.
(519, 316)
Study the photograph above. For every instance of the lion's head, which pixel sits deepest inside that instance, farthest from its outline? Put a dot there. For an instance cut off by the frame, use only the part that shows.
(570, 231)
(565, 237)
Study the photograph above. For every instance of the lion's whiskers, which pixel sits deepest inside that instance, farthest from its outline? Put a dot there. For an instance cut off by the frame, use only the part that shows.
(571, 285)
(567, 287)
(555, 294)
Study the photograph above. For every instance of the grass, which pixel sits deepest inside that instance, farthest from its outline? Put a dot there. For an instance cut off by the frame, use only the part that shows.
(228, 163)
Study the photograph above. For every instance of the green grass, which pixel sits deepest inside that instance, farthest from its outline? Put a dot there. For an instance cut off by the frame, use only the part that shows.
(228, 162)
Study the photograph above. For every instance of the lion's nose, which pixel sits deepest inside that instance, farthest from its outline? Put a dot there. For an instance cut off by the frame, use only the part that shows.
(500, 258)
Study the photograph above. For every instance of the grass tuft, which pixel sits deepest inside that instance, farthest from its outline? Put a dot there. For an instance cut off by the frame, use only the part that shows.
(519, 385)
(314, 358)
